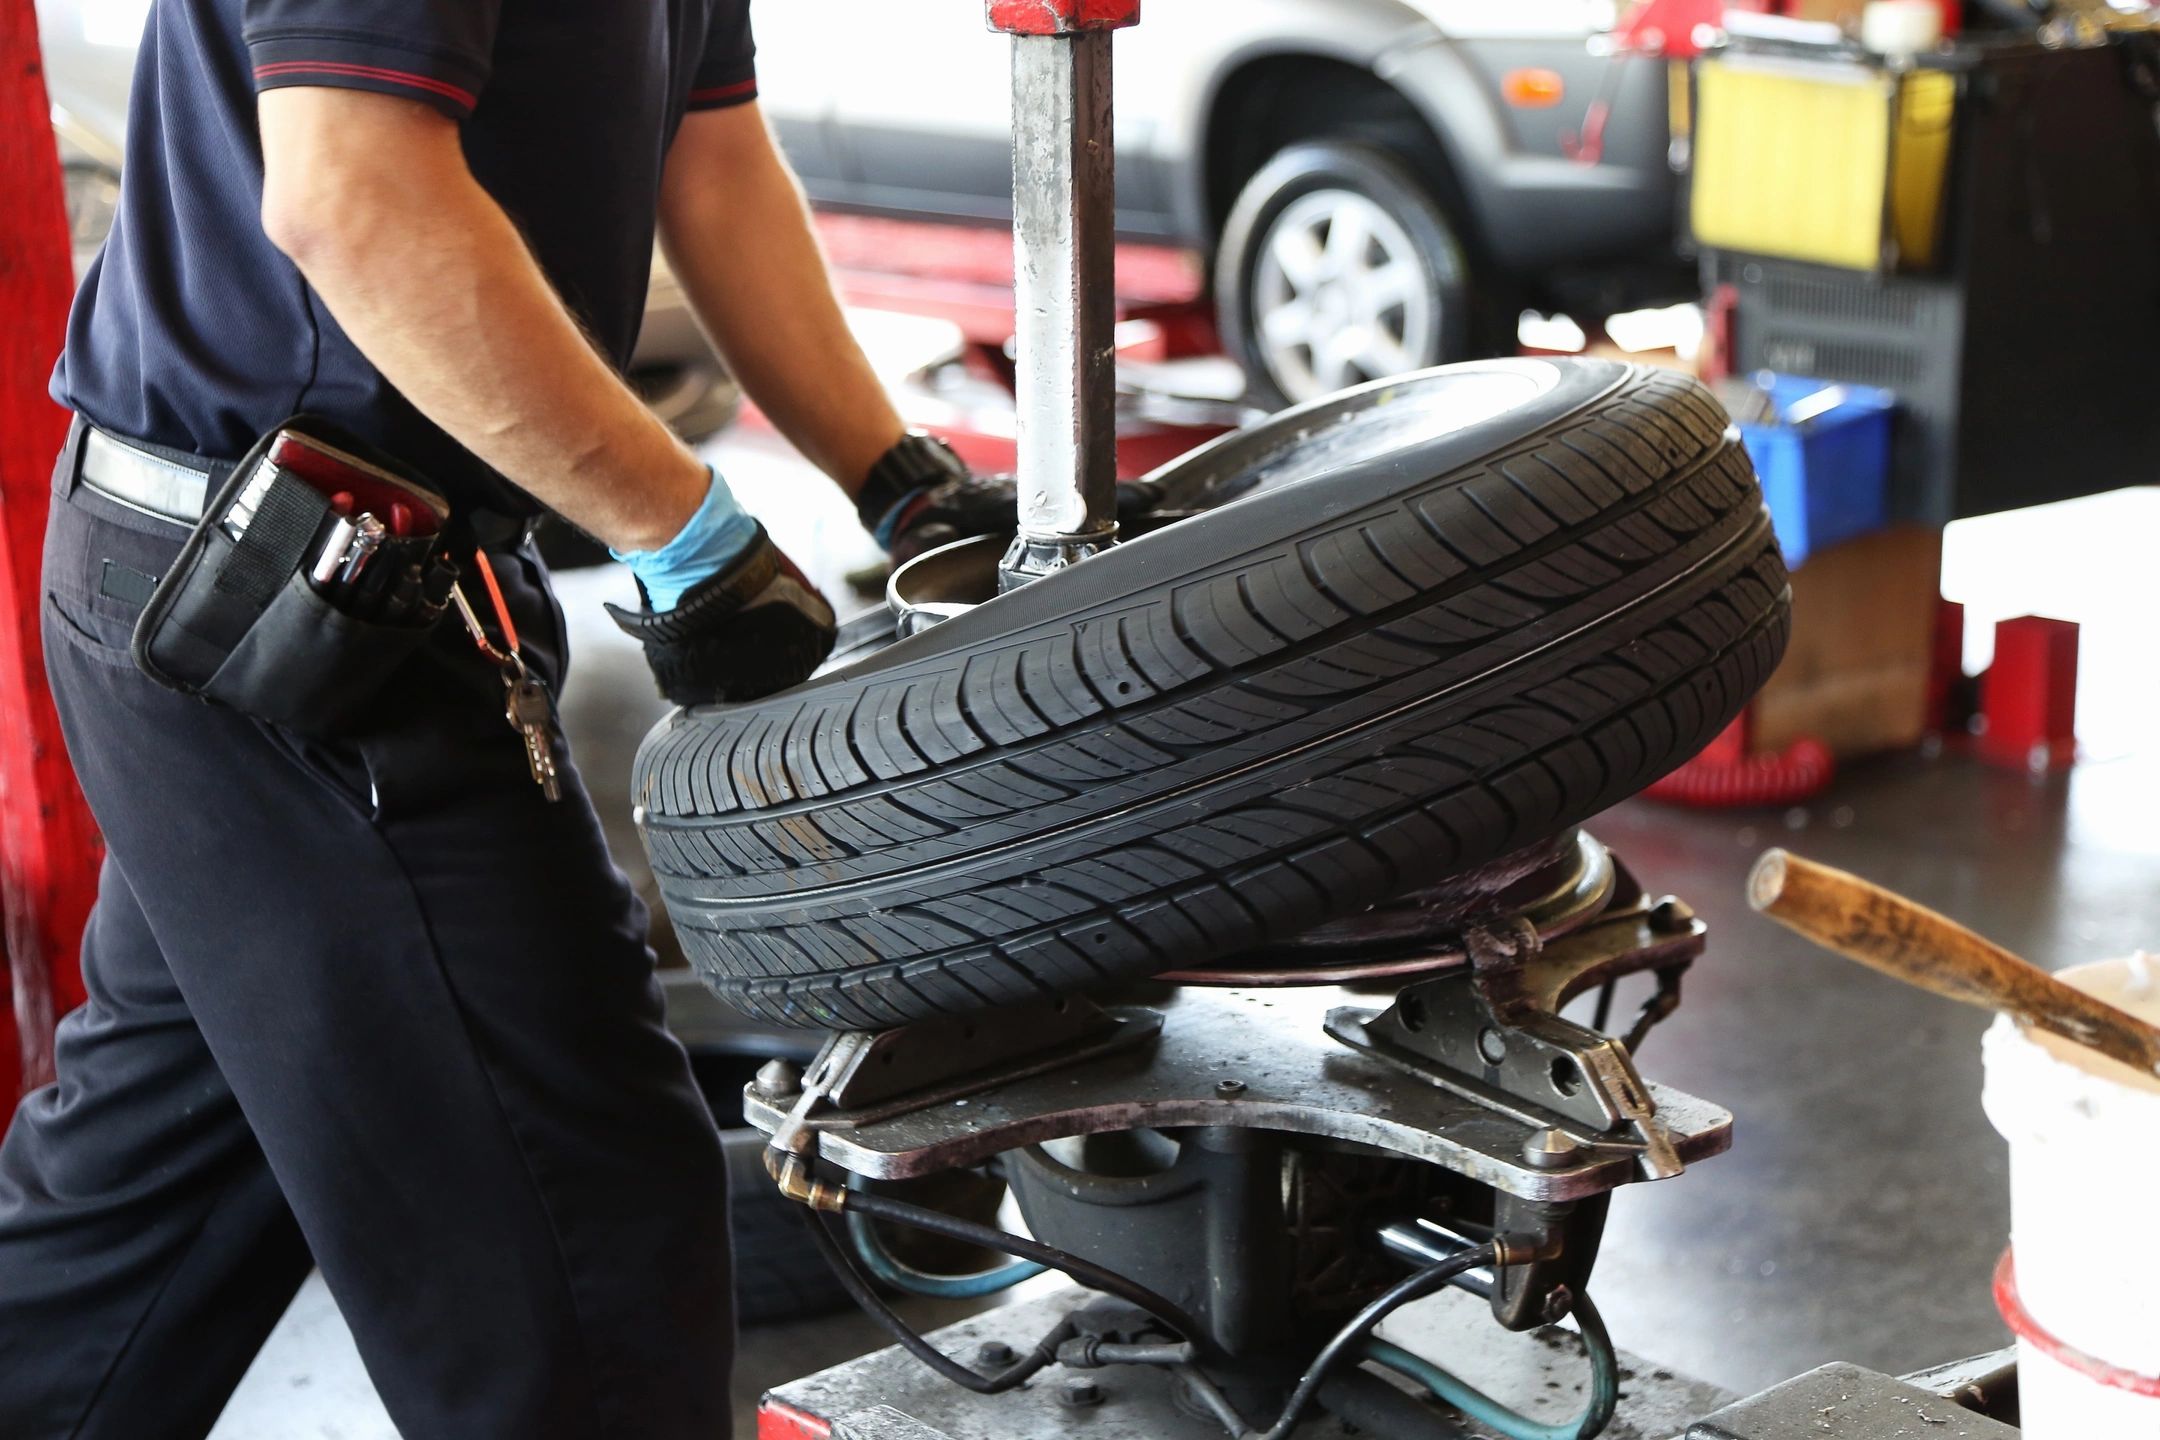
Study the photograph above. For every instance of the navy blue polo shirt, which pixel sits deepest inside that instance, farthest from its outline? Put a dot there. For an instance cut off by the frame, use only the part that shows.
(193, 331)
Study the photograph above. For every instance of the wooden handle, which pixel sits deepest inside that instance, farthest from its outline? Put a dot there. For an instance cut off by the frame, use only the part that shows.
(1910, 942)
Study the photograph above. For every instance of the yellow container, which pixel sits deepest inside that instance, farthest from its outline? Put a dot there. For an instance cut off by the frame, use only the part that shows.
(1835, 162)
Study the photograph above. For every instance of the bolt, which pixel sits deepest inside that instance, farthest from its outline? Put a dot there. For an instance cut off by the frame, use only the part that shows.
(1558, 1302)
(777, 1079)
(1550, 1149)
(1671, 915)
(1080, 1394)
(1227, 1088)
(1491, 1046)
(994, 1352)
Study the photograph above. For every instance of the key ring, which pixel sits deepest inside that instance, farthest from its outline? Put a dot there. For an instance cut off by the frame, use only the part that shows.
(530, 708)
(510, 659)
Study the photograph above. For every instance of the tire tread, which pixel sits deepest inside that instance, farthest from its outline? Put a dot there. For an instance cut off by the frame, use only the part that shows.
(1242, 752)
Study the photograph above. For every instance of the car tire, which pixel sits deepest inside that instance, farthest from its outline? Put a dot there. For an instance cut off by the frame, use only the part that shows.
(1254, 721)
(1317, 184)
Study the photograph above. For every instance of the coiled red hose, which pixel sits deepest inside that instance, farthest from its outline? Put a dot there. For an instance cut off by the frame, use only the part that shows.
(1801, 771)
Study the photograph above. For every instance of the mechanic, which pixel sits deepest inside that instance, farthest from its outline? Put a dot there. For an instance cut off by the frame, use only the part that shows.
(376, 1002)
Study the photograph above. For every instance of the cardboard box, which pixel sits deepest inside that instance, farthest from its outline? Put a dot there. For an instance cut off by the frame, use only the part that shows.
(1856, 673)
(1837, 12)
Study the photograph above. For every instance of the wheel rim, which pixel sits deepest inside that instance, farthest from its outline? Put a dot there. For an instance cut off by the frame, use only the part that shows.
(1361, 422)
(1340, 296)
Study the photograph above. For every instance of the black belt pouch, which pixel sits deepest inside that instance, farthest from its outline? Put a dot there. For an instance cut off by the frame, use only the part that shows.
(237, 619)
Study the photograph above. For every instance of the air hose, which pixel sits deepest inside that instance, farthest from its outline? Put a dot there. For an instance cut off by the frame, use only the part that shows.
(1475, 1403)
(892, 1271)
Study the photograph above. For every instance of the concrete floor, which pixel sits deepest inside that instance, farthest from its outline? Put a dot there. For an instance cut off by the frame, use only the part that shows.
(1864, 1204)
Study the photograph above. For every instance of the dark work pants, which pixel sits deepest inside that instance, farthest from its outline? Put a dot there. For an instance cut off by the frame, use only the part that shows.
(373, 1001)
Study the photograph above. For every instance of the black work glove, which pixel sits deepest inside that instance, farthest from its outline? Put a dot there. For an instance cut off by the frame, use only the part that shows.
(754, 629)
(921, 495)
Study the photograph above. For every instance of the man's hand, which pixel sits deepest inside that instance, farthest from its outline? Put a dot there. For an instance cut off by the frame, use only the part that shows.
(726, 615)
(957, 509)
(755, 629)
(921, 495)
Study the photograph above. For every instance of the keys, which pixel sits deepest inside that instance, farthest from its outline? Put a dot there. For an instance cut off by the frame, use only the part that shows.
(526, 702)
(532, 714)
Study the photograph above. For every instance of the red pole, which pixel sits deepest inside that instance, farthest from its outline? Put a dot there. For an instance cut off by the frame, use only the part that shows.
(48, 843)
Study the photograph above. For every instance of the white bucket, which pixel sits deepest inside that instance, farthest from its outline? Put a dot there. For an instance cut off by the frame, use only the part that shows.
(2083, 1292)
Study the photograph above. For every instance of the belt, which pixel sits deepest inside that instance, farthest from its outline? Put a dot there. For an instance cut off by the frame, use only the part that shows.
(175, 486)
(160, 483)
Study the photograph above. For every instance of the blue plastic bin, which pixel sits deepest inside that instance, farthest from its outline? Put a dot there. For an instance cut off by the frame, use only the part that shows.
(1827, 479)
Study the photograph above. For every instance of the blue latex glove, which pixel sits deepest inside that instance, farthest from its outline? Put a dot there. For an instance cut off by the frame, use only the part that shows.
(715, 537)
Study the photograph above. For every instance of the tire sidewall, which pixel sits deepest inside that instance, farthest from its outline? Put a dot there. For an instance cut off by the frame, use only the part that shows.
(1378, 176)
(1190, 744)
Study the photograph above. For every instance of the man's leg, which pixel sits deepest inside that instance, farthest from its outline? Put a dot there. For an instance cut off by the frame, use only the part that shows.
(144, 1248)
(429, 993)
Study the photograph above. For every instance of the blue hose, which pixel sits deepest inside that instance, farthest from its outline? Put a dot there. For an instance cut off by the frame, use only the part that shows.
(905, 1278)
(1475, 1403)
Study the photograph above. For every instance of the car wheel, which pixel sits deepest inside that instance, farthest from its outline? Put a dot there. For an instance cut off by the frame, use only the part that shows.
(1524, 592)
(1337, 266)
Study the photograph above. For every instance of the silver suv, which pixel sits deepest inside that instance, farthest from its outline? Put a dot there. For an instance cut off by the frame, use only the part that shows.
(1382, 184)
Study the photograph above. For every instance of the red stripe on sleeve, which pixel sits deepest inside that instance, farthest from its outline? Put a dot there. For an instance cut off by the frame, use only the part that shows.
(724, 92)
(428, 83)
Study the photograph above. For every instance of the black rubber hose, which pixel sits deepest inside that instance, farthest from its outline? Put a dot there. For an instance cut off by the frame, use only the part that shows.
(1087, 1272)
(843, 1266)
(1414, 1287)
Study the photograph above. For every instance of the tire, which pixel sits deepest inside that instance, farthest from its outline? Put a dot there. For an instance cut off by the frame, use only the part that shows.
(1256, 720)
(1313, 180)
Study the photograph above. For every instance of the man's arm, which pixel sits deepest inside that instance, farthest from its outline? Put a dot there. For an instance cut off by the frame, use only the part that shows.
(735, 229)
(371, 197)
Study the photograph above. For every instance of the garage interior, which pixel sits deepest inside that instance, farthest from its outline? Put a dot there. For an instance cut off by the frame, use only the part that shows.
(1906, 245)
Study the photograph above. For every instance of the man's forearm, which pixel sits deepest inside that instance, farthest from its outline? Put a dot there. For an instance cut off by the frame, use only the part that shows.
(427, 275)
(737, 233)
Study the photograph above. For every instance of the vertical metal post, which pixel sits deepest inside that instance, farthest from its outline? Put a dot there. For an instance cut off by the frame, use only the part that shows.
(1064, 242)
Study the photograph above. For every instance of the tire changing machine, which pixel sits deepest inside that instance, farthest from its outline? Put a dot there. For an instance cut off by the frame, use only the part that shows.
(1289, 1143)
